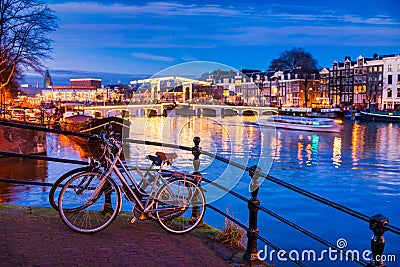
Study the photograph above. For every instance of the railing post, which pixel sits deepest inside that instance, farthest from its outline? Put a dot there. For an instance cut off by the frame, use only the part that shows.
(377, 224)
(196, 151)
(251, 253)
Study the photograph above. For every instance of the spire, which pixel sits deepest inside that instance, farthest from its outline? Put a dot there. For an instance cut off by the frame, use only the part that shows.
(47, 79)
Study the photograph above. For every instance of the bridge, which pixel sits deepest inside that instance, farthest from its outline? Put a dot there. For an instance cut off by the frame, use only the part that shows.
(184, 109)
(224, 110)
(133, 110)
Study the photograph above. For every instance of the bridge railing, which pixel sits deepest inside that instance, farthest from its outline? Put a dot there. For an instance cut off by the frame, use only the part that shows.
(378, 224)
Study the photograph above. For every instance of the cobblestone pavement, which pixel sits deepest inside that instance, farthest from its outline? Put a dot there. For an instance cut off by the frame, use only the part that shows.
(31, 238)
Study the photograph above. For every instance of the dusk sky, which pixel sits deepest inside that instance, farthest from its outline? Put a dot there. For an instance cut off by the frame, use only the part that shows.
(138, 37)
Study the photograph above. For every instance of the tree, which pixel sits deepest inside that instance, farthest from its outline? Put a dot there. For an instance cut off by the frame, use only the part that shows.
(298, 62)
(24, 41)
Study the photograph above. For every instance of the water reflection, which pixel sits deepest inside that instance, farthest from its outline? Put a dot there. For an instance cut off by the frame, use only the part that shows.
(20, 169)
(227, 137)
(337, 152)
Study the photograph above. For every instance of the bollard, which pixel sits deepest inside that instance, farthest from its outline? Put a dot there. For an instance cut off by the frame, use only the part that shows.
(377, 224)
(196, 151)
(251, 253)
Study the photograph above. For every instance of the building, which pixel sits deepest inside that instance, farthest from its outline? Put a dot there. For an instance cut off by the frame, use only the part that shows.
(360, 83)
(391, 82)
(368, 82)
(87, 89)
(374, 83)
(341, 83)
(324, 87)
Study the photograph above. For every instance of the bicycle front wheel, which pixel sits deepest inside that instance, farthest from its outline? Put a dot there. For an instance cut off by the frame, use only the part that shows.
(56, 188)
(180, 206)
(84, 211)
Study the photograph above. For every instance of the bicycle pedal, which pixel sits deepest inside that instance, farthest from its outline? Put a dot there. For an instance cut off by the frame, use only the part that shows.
(139, 214)
(133, 220)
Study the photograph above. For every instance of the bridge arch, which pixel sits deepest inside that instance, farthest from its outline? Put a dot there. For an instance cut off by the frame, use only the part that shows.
(249, 112)
(208, 112)
(230, 112)
(118, 112)
(151, 112)
(270, 112)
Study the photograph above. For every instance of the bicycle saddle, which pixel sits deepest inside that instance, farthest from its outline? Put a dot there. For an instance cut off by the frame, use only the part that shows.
(155, 159)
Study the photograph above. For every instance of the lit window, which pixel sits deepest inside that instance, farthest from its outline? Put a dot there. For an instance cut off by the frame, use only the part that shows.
(380, 68)
(389, 92)
(398, 92)
(390, 67)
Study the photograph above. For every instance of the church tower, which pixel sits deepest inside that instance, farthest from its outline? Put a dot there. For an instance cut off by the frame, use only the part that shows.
(47, 80)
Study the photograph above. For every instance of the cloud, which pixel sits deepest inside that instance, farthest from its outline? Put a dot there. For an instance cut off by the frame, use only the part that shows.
(152, 57)
(310, 35)
(155, 8)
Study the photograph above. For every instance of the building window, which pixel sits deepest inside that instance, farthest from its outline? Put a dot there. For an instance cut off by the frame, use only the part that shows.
(390, 80)
(398, 92)
(390, 67)
(389, 92)
(398, 78)
(380, 68)
(375, 69)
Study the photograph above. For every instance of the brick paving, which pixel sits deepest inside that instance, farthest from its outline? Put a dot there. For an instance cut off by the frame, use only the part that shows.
(31, 238)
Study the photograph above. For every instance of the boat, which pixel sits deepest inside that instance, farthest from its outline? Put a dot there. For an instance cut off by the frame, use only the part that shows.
(380, 116)
(90, 125)
(74, 118)
(302, 123)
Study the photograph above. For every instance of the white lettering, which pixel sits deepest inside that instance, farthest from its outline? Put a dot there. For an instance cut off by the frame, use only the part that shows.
(321, 258)
(367, 255)
(281, 253)
(265, 251)
(330, 254)
(352, 255)
(309, 253)
(291, 255)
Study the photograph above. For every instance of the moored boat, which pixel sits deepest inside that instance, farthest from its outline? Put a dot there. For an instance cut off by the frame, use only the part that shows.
(380, 116)
(301, 123)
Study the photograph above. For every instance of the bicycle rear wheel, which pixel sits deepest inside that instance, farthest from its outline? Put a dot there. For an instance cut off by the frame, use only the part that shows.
(56, 188)
(84, 212)
(180, 206)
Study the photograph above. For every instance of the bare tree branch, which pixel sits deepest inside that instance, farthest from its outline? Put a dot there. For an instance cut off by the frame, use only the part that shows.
(24, 41)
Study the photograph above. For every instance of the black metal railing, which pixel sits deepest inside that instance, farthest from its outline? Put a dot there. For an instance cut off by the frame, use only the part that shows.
(378, 224)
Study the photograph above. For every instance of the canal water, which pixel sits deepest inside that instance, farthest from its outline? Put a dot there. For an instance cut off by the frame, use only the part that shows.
(358, 167)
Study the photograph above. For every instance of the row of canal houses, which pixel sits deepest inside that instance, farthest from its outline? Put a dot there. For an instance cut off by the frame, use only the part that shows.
(348, 84)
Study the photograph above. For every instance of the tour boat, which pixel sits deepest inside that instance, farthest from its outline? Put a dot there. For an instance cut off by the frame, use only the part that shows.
(302, 123)
(380, 115)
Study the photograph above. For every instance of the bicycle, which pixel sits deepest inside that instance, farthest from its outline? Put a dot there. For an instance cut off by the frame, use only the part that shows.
(146, 179)
(90, 201)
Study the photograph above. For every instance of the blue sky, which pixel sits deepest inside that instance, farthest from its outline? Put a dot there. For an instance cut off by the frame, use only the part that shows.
(139, 37)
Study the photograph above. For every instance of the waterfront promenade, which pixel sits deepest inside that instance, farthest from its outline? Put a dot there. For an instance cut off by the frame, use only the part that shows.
(37, 237)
